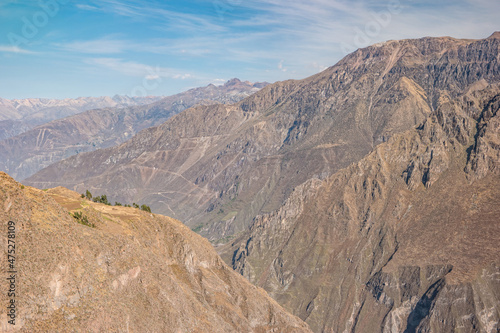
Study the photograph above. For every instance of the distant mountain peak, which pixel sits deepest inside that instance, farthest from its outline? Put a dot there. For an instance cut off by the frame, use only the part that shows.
(232, 82)
(237, 83)
(495, 35)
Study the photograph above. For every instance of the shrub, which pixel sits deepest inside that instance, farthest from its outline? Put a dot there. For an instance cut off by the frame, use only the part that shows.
(146, 208)
(102, 199)
(82, 219)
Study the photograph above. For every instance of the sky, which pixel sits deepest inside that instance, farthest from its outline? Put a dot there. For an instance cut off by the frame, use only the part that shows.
(69, 49)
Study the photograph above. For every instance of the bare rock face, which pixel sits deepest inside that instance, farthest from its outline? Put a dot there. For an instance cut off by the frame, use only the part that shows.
(132, 272)
(485, 154)
(405, 240)
(217, 167)
(24, 154)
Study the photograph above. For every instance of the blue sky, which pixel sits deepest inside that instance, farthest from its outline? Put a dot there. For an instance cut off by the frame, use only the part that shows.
(63, 48)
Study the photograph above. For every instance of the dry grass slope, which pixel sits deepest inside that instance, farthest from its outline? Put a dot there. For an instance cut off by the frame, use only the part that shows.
(133, 272)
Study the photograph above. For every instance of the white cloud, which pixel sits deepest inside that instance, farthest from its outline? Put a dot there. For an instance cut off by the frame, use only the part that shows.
(317, 66)
(182, 76)
(280, 66)
(106, 45)
(14, 49)
(87, 7)
(166, 19)
(131, 68)
(152, 77)
(218, 82)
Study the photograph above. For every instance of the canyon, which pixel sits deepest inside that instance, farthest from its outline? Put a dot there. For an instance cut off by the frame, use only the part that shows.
(363, 198)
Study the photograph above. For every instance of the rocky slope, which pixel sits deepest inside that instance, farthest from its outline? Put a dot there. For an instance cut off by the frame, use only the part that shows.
(405, 240)
(132, 272)
(20, 115)
(217, 167)
(25, 154)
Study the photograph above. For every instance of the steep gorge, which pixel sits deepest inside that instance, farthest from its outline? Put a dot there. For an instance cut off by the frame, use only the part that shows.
(405, 240)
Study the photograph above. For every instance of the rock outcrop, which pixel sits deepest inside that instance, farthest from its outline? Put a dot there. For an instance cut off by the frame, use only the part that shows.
(132, 272)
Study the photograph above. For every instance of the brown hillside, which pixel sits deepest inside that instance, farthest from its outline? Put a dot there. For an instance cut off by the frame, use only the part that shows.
(133, 272)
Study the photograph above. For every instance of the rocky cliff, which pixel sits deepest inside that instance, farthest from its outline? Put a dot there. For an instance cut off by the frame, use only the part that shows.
(120, 270)
(23, 155)
(405, 240)
(217, 167)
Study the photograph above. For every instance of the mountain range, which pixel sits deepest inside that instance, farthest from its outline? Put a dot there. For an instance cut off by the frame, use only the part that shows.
(28, 152)
(20, 115)
(216, 167)
(363, 198)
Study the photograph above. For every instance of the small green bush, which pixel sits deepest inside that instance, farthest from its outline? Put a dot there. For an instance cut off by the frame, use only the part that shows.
(102, 199)
(82, 219)
(146, 208)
